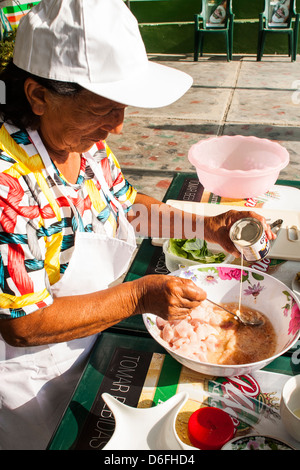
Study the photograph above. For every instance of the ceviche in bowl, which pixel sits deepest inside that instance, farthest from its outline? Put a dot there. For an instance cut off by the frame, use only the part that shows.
(213, 342)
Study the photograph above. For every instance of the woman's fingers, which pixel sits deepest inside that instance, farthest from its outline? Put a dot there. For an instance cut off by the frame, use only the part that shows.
(189, 291)
(219, 228)
(182, 296)
(170, 297)
(271, 235)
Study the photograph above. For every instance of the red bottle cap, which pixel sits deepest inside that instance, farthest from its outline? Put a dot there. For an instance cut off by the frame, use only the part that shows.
(210, 428)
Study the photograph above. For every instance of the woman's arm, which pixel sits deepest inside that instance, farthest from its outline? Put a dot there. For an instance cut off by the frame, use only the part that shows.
(156, 219)
(167, 296)
(83, 315)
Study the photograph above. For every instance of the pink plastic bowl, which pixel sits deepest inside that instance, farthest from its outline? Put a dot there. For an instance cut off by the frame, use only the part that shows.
(237, 166)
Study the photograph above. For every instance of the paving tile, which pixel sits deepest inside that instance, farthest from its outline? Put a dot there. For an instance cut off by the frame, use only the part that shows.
(280, 74)
(154, 185)
(266, 106)
(287, 136)
(202, 103)
(158, 144)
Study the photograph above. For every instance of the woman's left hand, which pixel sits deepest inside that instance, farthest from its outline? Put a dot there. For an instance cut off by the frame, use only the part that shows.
(216, 228)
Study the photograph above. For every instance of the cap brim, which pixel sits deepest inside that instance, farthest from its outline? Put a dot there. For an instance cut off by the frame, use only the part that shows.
(155, 87)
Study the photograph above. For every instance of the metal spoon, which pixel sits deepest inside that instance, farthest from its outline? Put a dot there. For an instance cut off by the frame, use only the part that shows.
(254, 319)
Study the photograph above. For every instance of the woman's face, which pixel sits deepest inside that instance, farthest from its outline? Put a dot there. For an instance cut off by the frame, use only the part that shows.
(74, 124)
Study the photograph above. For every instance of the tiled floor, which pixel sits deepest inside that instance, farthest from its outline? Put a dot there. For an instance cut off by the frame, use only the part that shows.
(239, 97)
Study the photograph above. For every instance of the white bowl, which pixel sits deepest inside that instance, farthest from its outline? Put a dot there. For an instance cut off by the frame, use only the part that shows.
(263, 293)
(145, 428)
(173, 262)
(238, 166)
(290, 401)
(256, 442)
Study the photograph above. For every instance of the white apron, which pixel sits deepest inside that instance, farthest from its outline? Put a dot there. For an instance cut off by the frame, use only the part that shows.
(36, 383)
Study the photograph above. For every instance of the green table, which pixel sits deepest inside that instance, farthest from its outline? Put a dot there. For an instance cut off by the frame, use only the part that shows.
(83, 426)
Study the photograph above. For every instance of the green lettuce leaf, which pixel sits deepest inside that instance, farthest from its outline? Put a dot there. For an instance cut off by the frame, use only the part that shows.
(194, 249)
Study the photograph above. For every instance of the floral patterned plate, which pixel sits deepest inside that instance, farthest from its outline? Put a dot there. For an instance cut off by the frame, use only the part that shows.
(296, 286)
(260, 291)
(256, 442)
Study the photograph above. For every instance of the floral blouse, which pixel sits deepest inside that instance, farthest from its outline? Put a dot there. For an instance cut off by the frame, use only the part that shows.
(37, 223)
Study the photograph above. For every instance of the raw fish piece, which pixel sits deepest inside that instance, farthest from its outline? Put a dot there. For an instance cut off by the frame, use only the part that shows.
(194, 336)
(167, 333)
(160, 322)
(204, 330)
(192, 351)
(183, 329)
(211, 343)
(206, 314)
(179, 342)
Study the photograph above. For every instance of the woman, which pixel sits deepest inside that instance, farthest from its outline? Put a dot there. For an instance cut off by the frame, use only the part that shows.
(66, 231)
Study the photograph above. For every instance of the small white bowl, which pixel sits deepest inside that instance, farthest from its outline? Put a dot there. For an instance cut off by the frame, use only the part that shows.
(145, 428)
(290, 401)
(173, 262)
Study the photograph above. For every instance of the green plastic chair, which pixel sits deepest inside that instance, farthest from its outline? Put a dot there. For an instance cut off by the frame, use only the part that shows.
(5, 26)
(203, 27)
(290, 27)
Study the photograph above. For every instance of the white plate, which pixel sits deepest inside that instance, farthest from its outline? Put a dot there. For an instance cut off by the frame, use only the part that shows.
(256, 442)
(296, 286)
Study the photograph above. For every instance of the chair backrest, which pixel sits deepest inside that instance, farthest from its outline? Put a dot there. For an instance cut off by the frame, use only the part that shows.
(215, 13)
(279, 13)
(5, 26)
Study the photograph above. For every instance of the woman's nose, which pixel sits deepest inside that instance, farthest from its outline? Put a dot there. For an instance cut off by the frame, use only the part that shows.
(115, 121)
(117, 129)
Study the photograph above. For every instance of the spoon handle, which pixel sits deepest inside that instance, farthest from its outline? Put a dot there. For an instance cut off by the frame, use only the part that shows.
(254, 321)
(223, 308)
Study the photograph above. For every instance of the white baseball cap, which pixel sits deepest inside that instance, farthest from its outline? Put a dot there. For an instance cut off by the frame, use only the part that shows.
(97, 44)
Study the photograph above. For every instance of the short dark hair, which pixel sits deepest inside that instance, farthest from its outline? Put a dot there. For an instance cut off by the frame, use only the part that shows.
(16, 109)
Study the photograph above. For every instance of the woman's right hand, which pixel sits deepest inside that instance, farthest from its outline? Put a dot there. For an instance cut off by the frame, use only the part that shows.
(169, 297)
(217, 228)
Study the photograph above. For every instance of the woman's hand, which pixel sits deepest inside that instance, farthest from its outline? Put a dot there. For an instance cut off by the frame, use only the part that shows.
(169, 297)
(216, 229)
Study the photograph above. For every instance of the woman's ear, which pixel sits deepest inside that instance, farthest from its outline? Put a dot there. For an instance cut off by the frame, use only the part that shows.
(36, 96)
